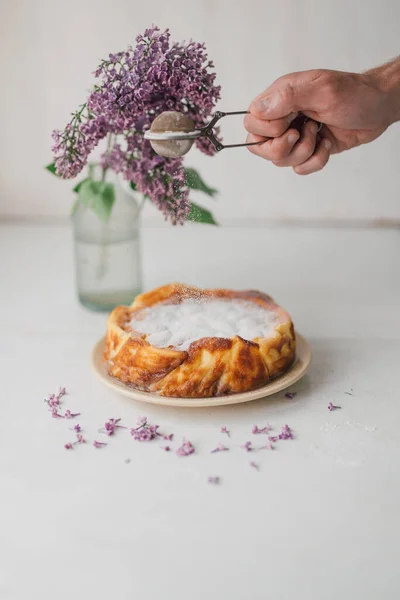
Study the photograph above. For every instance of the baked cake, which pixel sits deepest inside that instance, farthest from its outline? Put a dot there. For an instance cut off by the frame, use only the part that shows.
(182, 341)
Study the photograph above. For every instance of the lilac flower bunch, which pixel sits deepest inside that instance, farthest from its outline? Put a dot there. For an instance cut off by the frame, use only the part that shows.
(144, 432)
(132, 88)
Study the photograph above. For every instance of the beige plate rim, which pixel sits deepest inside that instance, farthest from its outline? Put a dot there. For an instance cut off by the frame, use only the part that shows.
(299, 368)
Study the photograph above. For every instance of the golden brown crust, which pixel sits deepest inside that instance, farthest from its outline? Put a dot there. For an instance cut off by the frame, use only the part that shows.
(211, 366)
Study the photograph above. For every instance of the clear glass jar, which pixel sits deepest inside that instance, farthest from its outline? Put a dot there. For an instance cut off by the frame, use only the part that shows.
(107, 255)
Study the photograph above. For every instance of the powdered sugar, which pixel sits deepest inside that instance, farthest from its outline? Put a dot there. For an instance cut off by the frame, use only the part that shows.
(178, 325)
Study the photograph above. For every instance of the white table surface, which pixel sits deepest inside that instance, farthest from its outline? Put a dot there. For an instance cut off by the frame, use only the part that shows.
(320, 520)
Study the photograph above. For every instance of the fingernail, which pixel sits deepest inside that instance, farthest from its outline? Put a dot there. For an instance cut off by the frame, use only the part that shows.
(292, 116)
(262, 105)
(327, 144)
(292, 138)
(313, 126)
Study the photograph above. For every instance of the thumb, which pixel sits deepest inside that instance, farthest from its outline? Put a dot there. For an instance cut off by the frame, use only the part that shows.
(295, 92)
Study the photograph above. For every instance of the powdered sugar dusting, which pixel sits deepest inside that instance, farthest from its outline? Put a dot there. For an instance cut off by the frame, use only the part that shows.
(178, 325)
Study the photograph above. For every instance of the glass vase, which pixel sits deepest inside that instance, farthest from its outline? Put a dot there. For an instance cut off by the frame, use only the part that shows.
(107, 254)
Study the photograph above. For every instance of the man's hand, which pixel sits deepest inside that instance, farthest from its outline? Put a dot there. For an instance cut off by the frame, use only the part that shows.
(354, 109)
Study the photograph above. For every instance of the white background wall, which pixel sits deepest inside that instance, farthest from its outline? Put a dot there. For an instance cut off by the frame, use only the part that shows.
(50, 47)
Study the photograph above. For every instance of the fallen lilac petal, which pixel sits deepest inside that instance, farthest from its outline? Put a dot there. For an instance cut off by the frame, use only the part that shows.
(215, 480)
(247, 446)
(332, 406)
(145, 432)
(273, 438)
(225, 430)
(62, 392)
(97, 444)
(169, 437)
(290, 395)
(257, 429)
(68, 446)
(110, 426)
(69, 415)
(166, 448)
(52, 401)
(254, 465)
(268, 446)
(219, 448)
(80, 439)
(55, 414)
(286, 433)
(186, 448)
(77, 428)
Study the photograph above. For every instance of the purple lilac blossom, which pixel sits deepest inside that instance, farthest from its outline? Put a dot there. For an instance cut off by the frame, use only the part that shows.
(97, 444)
(285, 434)
(214, 479)
(110, 426)
(144, 432)
(132, 88)
(186, 448)
(257, 429)
(333, 406)
(220, 448)
(247, 446)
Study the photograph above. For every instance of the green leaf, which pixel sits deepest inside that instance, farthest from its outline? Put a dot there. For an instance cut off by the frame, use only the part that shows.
(198, 214)
(132, 185)
(99, 196)
(75, 207)
(195, 182)
(52, 168)
(103, 205)
(78, 185)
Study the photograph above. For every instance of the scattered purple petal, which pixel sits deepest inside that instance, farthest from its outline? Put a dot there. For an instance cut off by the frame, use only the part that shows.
(110, 426)
(80, 439)
(97, 444)
(214, 480)
(186, 448)
(332, 406)
(290, 395)
(55, 414)
(68, 446)
(69, 415)
(61, 393)
(220, 448)
(52, 401)
(144, 432)
(265, 429)
(268, 446)
(254, 465)
(77, 428)
(286, 433)
(166, 448)
(225, 430)
(247, 446)
(169, 437)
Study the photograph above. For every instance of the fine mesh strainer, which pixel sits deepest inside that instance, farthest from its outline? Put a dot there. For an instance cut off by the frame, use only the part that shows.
(172, 133)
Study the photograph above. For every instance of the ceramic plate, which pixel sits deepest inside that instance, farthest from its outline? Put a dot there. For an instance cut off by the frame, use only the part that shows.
(299, 368)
